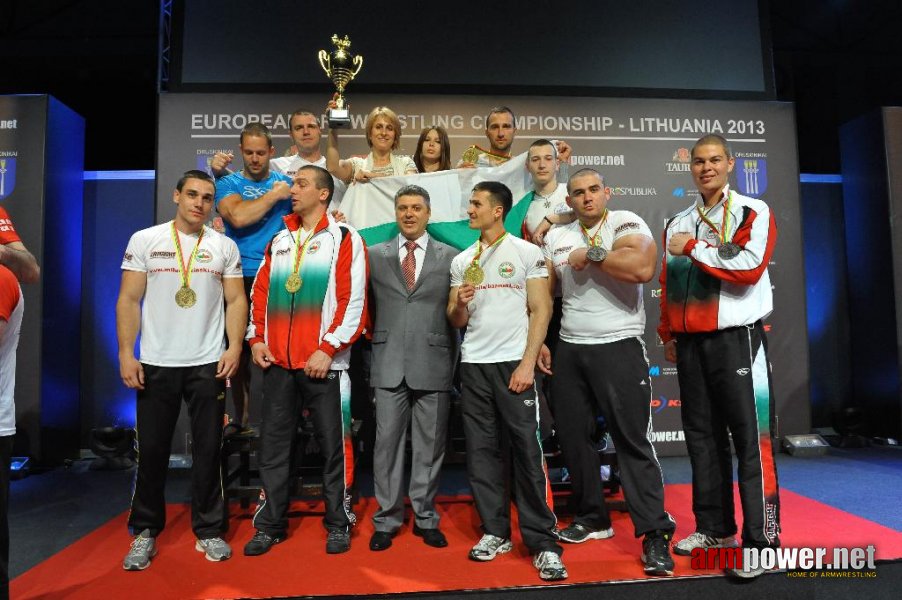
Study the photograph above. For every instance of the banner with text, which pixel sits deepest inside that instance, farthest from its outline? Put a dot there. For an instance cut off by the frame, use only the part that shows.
(641, 146)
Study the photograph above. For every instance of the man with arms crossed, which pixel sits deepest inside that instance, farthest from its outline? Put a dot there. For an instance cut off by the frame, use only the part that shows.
(303, 126)
(499, 292)
(414, 350)
(308, 307)
(715, 289)
(182, 270)
(252, 203)
(602, 260)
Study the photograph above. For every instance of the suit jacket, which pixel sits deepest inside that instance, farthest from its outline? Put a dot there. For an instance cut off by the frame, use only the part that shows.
(412, 339)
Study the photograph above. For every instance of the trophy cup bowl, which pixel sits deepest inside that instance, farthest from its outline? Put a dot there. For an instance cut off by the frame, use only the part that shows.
(341, 68)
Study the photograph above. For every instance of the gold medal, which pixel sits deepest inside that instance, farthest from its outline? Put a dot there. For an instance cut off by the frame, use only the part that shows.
(185, 297)
(474, 275)
(471, 154)
(293, 283)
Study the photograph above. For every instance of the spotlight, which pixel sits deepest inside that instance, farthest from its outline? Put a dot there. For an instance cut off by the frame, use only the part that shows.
(114, 447)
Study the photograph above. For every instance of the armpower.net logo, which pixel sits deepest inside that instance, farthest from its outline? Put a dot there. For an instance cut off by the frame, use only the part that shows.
(806, 562)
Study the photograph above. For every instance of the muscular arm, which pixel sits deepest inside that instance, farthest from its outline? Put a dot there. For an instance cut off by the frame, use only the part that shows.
(16, 257)
(632, 259)
(538, 299)
(241, 213)
(128, 322)
(235, 324)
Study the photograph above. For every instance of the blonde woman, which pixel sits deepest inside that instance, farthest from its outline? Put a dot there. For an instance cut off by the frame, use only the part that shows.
(383, 136)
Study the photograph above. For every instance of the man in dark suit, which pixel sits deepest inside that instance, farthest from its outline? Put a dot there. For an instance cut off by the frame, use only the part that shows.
(414, 350)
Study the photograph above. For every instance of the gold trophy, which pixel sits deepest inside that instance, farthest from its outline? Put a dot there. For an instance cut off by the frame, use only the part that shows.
(341, 68)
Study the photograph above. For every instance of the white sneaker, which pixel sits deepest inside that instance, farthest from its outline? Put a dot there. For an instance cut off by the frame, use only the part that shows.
(489, 547)
(749, 574)
(549, 565)
(214, 549)
(699, 540)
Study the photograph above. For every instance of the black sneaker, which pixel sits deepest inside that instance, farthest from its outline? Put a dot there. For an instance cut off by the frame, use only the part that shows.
(338, 541)
(261, 543)
(656, 553)
(577, 533)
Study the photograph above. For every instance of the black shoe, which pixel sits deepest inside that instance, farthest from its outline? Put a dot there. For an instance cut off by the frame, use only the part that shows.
(381, 540)
(656, 553)
(432, 537)
(338, 541)
(261, 543)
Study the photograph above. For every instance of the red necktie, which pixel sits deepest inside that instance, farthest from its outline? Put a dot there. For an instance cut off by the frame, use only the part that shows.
(409, 265)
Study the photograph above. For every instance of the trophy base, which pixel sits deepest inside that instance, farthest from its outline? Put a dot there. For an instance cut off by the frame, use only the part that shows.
(339, 118)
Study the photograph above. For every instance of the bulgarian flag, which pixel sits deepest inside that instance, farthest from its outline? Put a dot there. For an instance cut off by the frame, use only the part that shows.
(370, 207)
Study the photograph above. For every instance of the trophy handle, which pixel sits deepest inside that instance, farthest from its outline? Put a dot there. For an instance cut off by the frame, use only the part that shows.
(358, 62)
(324, 62)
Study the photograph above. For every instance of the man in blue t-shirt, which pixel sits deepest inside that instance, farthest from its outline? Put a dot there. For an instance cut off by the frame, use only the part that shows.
(252, 203)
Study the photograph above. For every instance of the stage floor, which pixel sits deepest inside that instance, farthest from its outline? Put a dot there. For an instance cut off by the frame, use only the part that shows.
(88, 565)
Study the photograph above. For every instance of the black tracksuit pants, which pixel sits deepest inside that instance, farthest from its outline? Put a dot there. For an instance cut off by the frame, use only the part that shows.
(489, 408)
(159, 404)
(725, 388)
(287, 393)
(610, 379)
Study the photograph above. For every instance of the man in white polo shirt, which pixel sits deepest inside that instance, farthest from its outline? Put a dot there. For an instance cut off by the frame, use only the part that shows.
(602, 259)
(499, 293)
(182, 270)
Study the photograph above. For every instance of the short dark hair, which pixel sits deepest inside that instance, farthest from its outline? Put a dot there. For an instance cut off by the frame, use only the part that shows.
(301, 112)
(414, 190)
(582, 173)
(495, 110)
(712, 139)
(194, 174)
(499, 194)
(542, 142)
(258, 129)
(322, 179)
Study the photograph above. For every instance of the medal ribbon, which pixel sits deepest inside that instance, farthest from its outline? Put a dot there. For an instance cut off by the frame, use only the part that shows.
(725, 221)
(185, 272)
(300, 253)
(479, 248)
(593, 239)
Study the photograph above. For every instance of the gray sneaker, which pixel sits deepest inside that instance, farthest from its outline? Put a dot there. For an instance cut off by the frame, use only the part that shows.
(489, 547)
(144, 547)
(699, 540)
(549, 566)
(215, 549)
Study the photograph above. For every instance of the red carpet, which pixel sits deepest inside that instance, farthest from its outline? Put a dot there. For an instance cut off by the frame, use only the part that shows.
(91, 568)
